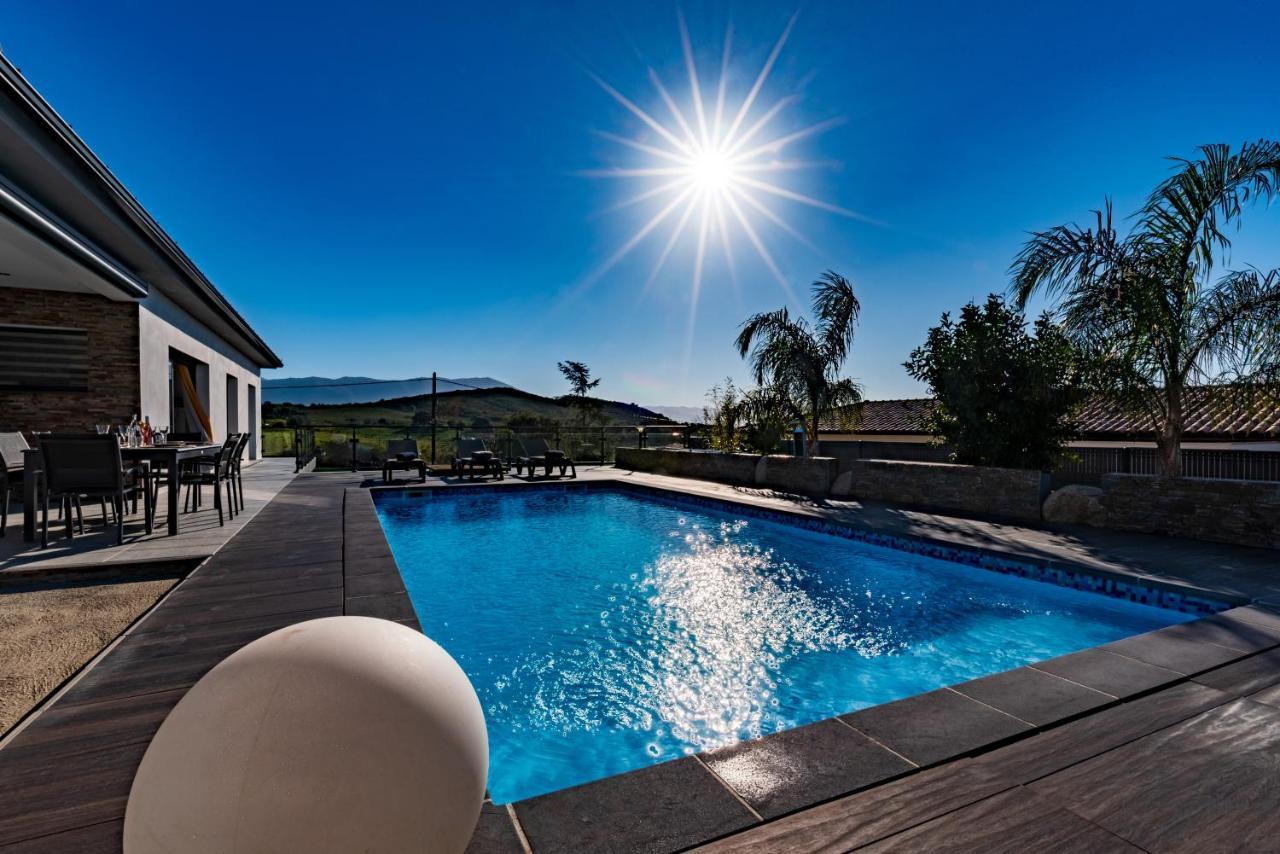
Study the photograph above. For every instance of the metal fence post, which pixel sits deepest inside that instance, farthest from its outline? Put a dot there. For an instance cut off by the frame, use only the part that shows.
(355, 443)
(601, 444)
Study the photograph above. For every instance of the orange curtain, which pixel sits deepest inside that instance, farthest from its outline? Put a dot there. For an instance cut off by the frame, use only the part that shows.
(189, 391)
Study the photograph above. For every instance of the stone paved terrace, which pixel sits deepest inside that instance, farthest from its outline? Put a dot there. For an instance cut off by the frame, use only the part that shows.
(1165, 742)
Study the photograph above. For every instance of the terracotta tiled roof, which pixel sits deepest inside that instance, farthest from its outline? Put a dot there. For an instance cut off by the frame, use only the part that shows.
(1212, 414)
(880, 416)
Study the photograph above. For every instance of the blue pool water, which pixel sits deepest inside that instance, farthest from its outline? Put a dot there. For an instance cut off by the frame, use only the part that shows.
(605, 631)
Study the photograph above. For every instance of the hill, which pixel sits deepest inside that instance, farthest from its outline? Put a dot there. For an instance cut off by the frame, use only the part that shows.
(471, 407)
(309, 390)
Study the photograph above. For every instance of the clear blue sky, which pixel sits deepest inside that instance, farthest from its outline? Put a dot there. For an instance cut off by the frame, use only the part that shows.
(388, 189)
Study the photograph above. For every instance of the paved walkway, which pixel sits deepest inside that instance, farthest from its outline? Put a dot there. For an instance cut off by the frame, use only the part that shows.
(199, 534)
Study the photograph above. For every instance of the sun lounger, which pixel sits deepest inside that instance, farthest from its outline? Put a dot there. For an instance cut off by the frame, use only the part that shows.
(472, 455)
(402, 455)
(538, 454)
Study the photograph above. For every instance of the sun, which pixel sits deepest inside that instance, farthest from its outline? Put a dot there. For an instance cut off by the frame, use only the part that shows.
(714, 165)
(712, 171)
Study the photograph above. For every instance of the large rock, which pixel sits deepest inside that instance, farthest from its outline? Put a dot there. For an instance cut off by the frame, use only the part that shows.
(1076, 504)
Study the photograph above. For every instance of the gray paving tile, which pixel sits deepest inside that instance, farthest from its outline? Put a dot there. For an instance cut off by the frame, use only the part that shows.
(495, 832)
(1263, 615)
(1206, 784)
(1174, 651)
(1223, 630)
(929, 728)
(661, 808)
(1033, 696)
(1110, 673)
(800, 767)
(1245, 676)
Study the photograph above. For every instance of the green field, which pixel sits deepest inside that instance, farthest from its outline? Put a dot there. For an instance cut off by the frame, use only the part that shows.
(498, 416)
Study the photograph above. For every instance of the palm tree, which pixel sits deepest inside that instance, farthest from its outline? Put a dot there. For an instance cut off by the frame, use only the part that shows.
(1145, 305)
(803, 361)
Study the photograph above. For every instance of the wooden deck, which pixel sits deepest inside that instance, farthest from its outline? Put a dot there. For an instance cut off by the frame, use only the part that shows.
(1185, 762)
(65, 777)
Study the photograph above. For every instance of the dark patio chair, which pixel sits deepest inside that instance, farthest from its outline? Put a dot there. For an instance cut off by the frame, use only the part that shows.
(403, 455)
(471, 455)
(87, 465)
(236, 472)
(538, 453)
(215, 472)
(11, 463)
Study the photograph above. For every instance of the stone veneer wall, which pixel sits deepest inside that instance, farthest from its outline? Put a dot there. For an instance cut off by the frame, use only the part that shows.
(114, 392)
(1240, 512)
(803, 475)
(981, 490)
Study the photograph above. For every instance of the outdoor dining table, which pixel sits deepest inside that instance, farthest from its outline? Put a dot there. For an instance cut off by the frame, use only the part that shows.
(172, 455)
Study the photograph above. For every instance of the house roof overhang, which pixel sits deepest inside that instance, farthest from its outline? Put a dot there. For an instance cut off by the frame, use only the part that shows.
(58, 190)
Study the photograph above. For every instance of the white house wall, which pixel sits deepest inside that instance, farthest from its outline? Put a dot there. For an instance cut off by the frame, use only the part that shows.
(162, 325)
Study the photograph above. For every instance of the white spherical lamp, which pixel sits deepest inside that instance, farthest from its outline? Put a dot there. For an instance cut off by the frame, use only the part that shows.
(335, 735)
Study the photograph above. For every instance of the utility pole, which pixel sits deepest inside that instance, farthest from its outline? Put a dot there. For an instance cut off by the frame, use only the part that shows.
(433, 417)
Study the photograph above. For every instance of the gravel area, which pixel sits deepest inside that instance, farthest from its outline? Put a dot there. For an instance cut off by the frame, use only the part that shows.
(50, 626)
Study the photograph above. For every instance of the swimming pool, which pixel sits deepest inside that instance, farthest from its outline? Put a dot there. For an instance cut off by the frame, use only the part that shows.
(606, 629)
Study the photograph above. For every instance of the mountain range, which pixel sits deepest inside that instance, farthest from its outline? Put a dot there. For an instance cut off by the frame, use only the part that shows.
(330, 390)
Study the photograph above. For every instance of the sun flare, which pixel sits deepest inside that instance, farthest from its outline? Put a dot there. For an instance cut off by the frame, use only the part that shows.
(712, 171)
(713, 166)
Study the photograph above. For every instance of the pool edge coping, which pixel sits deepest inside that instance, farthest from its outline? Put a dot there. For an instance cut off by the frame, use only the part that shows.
(596, 791)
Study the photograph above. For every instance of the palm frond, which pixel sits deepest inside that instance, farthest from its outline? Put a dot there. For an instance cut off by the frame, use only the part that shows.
(835, 308)
(1063, 258)
(1189, 211)
(1238, 327)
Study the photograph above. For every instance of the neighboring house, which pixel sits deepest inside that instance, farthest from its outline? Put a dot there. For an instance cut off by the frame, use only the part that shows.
(102, 316)
(1216, 418)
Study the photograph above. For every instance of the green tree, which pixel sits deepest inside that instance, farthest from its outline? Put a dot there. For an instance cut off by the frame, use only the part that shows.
(802, 361)
(722, 415)
(578, 375)
(1005, 396)
(1144, 304)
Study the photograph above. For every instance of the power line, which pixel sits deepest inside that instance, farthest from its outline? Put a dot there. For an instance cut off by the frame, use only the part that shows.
(378, 382)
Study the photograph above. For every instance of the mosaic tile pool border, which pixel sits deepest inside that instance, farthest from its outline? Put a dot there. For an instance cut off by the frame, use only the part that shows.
(1074, 578)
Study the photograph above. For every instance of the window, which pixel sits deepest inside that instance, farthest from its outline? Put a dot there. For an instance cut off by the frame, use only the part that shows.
(43, 358)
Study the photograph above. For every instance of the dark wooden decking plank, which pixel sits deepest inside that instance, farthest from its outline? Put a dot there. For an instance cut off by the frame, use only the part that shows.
(1010, 823)
(101, 838)
(65, 779)
(877, 813)
(1208, 784)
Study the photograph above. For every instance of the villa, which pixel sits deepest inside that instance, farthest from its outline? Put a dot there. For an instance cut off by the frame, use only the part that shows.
(102, 316)
(669, 645)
